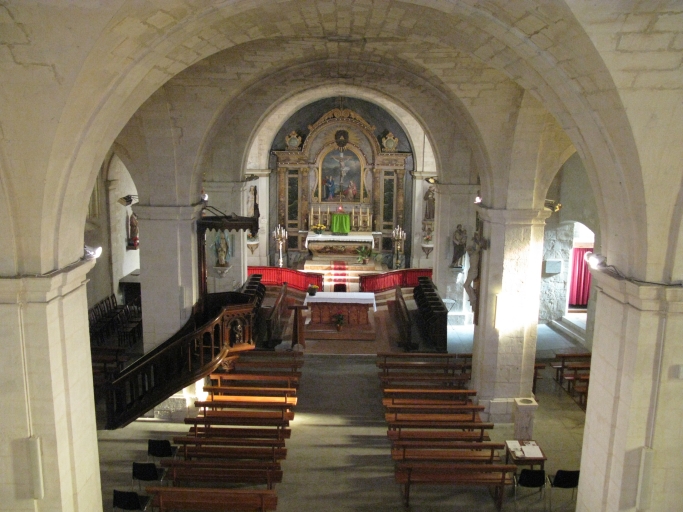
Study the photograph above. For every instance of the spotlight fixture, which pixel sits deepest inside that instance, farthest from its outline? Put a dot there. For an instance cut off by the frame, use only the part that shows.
(595, 261)
(91, 253)
(205, 197)
(250, 177)
(477, 200)
(128, 200)
(432, 180)
(552, 205)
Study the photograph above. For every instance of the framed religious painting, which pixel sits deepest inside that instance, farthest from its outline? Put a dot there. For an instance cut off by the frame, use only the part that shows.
(341, 177)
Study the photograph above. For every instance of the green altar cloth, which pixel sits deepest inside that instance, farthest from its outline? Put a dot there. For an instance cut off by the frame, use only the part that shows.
(341, 223)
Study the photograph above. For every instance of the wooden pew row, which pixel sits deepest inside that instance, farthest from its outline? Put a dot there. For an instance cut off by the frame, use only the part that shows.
(449, 409)
(239, 475)
(253, 364)
(450, 435)
(447, 451)
(495, 476)
(215, 391)
(214, 451)
(236, 421)
(384, 357)
(422, 393)
(400, 426)
(269, 418)
(289, 380)
(564, 358)
(214, 499)
(239, 432)
(470, 416)
(273, 355)
(439, 367)
(248, 402)
(435, 380)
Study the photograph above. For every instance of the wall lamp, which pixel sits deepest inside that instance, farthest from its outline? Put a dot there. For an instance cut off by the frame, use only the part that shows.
(553, 206)
(250, 177)
(91, 253)
(432, 180)
(128, 200)
(595, 261)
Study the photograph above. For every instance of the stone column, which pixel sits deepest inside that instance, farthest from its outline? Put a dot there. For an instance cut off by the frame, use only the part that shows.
(48, 392)
(399, 197)
(377, 177)
(505, 339)
(168, 269)
(634, 403)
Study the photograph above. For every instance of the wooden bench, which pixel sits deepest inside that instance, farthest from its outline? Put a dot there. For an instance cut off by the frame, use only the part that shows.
(446, 451)
(415, 393)
(451, 435)
(192, 475)
(439, 367)
(385, 357)
(396, 380)
(269, 418)
(405, 324)
(291, 366)
(215, 451)
(435, 418)
(221, 464)
(277, 355)
(574, 372)
(495, 476)
(446, 408)
(443, 425)
(290, 380)
(563, 359)
(183, 441)
(537, 375)
(247, 402)
(245, 421)
(212, 499)
(215, 391)
(238, 432)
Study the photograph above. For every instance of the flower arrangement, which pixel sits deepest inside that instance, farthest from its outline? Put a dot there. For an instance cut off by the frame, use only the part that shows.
(338, 319)
(312, 289)
(427, 238)
(318, 228)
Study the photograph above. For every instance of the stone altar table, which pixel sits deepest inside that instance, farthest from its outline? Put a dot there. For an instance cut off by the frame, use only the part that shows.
(358, 321)
(327, 246)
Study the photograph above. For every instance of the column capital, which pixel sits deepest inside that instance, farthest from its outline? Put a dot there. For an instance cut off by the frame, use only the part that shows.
(507, 217)
(640, 295)
(45, 287)
(190, 212)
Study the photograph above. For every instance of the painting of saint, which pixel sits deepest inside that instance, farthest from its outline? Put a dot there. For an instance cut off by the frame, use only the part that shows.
(340, 176)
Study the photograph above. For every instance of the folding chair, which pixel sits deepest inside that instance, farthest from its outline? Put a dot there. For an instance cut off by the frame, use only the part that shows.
(147, 472)
(531, 478)
(130, 500)
(563, 479)
(160, 448)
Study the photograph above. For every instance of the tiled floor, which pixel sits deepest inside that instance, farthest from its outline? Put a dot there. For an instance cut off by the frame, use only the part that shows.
(338, 456)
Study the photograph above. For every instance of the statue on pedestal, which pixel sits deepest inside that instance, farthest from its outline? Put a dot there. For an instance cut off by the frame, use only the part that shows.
(474, 253)
(459, 244)
(430, 200)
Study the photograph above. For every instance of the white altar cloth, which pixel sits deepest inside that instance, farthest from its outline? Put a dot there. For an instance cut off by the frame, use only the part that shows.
(351, 237)
(343, 298)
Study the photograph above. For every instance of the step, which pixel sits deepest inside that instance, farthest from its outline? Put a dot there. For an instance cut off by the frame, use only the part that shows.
(570, 330)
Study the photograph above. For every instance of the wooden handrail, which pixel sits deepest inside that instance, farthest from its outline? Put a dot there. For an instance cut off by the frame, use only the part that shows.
(213, 333)
(277, 316)
(276, 276)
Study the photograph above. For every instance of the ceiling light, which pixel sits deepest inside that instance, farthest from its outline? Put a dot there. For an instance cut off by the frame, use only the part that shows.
(432, 180)
(595, 261)
(91, 253)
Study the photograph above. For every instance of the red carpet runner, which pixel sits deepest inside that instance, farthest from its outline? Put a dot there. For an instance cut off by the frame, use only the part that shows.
(339, 272)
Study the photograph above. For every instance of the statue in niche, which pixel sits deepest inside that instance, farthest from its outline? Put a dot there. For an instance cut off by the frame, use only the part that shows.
(252, 199)
(430, 203)
(459, 244)
(474, 252)
(222, 250)
(134, 232)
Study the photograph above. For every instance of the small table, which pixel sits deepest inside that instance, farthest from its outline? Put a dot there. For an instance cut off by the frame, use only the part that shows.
(518, 458)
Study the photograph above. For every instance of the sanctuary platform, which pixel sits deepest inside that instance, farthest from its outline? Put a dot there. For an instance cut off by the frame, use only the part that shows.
(357, 321)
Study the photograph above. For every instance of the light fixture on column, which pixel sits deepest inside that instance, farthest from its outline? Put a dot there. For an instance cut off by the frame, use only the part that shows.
(552, 205)
(91, 253)
(250, 177)
(128, 200)
(595, 261)
(432, 180)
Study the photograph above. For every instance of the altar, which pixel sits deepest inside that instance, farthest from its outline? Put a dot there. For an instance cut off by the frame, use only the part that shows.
(329, 247)
(357, 321)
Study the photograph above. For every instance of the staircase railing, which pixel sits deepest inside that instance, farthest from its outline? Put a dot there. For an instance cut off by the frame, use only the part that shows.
(220, 326)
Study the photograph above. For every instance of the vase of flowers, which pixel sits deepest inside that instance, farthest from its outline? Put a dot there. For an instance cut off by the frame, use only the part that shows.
(312, 289)
(318, 228)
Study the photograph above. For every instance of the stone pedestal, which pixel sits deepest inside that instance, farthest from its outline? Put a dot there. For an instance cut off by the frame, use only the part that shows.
(525, 408)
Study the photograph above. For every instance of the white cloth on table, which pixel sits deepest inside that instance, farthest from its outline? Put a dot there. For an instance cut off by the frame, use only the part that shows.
(343, 298)
(351, 237)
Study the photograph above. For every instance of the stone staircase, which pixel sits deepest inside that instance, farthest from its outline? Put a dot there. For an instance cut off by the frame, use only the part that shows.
(569, 328)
